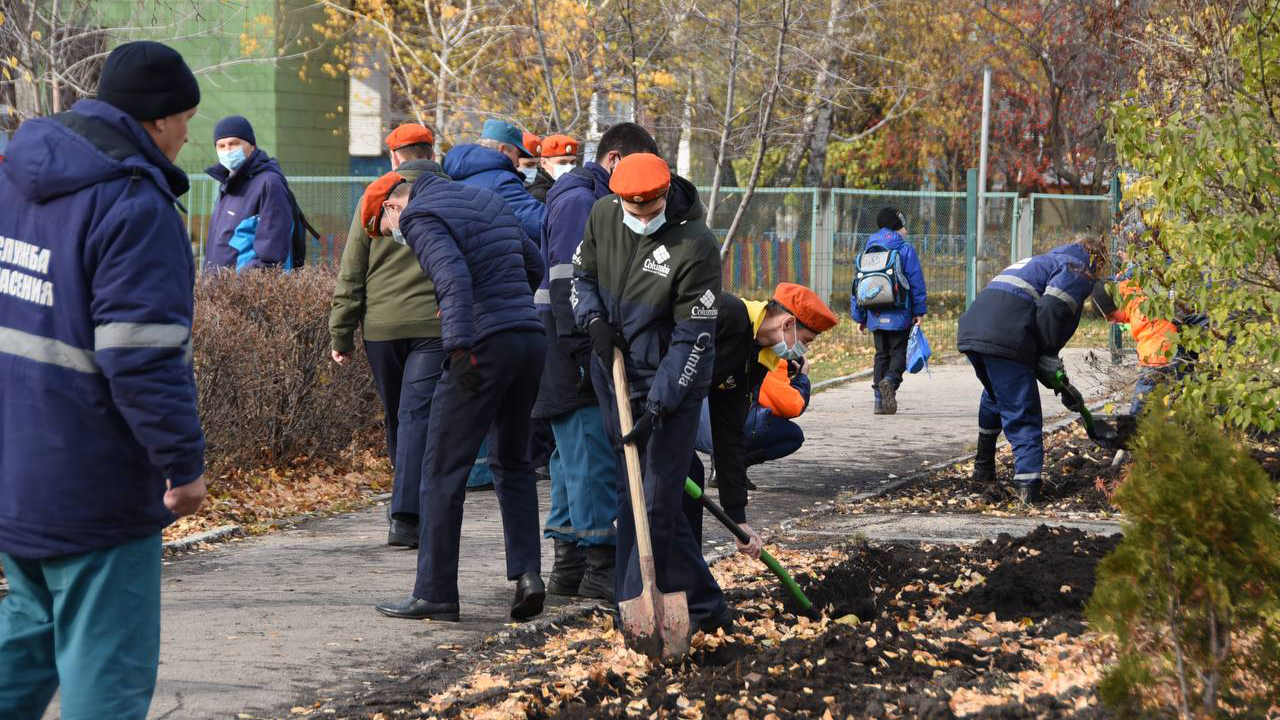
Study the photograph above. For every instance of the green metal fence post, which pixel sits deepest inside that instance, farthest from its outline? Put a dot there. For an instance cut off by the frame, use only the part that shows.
(971, 237)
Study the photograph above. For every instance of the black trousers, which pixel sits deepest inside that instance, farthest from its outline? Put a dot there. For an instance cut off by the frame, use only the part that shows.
(891, 356)
(386, 360)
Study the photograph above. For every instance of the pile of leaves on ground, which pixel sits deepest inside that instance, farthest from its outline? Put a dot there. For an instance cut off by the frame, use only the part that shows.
(991, 630)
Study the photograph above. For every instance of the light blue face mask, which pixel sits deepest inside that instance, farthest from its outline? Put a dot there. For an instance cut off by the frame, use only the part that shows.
(530, 173)
(231, 159)
(398, 236)
(639, 227)
(795, 351)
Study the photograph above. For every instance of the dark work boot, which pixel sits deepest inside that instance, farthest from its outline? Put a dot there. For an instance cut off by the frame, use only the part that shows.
(1029, 494)
(984, 463)
(566, 574)
(530, 594)
(597, 581)
(888, 397)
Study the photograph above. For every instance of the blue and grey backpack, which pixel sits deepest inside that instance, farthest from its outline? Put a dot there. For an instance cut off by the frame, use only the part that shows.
(880, 283)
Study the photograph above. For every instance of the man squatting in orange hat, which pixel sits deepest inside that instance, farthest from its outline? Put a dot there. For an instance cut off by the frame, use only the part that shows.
(754, 340)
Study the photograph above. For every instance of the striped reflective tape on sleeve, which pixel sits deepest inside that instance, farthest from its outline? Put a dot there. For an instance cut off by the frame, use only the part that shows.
(542, 297)
(140, 335)
(1017, 282)
(1062, 295)
(563, 271)
(46, 350)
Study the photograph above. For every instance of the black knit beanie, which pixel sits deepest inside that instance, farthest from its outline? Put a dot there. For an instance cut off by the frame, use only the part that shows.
(890, 218)
(148, 80)
(236, 126)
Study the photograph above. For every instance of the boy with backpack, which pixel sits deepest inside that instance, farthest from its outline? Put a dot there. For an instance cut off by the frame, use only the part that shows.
(889, 297)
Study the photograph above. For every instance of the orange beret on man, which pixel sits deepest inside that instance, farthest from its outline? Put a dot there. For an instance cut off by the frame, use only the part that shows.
(640, 177)
(410, 134)
(806, 306)
(371, 202)
(559, 145)
(532, 143)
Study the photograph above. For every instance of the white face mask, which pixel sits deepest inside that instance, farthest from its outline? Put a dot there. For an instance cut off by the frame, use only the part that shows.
(640, 227)
(795, 351)
(558, 170)
(398, 236)
(530, 173)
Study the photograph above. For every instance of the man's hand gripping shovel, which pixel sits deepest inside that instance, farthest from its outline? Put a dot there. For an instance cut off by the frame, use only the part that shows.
(654, 623)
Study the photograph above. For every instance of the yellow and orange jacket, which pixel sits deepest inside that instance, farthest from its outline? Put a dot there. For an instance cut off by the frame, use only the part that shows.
(1153, 336)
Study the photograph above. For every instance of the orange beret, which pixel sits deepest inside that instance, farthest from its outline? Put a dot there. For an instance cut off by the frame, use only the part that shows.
(532, 143)
(410, 134)
(640, 177)
(557, 145)
(806, 306)
(374, 196)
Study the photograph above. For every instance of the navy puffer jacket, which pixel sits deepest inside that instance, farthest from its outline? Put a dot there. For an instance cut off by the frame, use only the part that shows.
(484, 267)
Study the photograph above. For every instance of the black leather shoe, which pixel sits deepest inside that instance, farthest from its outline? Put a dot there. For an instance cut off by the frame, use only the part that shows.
(597, 581)
(402, 534)
(530, 594)
(412, 608)
(566, 574)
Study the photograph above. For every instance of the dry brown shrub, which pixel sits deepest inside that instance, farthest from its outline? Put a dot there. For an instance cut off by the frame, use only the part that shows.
(268, 390)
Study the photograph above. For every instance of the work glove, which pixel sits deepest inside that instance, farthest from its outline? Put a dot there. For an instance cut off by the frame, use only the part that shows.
(465, 372)
(644, 425)
(1071, 398)
(1048, 367)
(604, 338)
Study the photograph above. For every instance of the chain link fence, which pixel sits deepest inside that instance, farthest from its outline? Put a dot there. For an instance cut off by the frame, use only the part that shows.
(804, 235)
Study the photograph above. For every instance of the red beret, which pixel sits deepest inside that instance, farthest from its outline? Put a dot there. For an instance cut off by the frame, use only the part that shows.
(532, 143)
(557, 145)
(374, 196)
(640, 177)
(410, 134)
(806, 306)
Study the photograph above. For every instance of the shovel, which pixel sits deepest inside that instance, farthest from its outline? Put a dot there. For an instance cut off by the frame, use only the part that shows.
(654, 623)
(692, 490)
(1103, 433)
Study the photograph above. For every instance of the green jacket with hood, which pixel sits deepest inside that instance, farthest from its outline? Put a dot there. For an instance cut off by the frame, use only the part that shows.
(381, 285)
(660, 290)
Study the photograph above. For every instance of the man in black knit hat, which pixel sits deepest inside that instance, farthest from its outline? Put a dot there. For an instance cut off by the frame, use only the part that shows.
(100, 442)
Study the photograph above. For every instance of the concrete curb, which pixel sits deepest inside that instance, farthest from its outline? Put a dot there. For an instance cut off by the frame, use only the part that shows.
(208, 536)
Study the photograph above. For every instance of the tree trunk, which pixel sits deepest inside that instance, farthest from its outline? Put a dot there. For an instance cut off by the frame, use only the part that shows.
(762, 143)
(546, 68)
(816, 118)
(717, 175)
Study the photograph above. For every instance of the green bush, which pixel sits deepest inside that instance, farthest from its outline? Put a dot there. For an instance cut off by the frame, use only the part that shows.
(1192, 593)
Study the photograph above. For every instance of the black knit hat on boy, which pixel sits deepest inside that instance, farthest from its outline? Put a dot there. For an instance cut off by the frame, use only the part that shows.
(890, 218)
(148, 80)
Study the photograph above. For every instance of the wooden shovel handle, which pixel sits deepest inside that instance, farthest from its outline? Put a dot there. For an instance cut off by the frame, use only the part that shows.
(635, 482)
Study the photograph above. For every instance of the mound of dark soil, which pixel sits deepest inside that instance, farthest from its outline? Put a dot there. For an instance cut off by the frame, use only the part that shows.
(1049, 572)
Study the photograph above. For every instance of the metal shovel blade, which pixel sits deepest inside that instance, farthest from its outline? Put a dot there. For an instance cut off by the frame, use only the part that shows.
(656, 623)
(1112, 432)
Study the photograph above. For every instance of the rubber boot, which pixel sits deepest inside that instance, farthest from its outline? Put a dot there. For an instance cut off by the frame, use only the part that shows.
(984, 463)
(566, 574)
(597, 581)
(1029, 494)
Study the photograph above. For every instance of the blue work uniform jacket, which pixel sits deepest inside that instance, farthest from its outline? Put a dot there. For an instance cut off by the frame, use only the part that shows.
(96, 282)
(1031, 308)
(566, 377)
(252, 222)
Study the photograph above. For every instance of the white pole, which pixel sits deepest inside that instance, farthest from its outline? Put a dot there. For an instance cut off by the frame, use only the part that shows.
(982, 159)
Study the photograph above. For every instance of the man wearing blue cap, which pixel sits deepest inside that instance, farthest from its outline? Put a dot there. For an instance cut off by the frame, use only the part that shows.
(253, 223)
(490, 162)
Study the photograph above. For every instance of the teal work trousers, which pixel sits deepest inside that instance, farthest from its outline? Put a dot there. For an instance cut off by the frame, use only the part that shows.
(88, 622)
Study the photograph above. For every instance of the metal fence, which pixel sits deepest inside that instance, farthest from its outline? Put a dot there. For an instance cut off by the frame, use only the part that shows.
(804, 235)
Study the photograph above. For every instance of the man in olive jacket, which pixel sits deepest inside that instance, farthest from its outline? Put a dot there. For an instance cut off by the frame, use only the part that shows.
(382, 288)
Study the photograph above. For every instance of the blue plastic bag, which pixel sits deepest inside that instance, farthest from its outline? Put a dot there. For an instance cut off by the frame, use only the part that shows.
(918, 351)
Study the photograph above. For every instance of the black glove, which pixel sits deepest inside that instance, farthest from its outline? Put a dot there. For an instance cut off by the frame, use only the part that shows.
(1047, 369)
(465, 373)
(1071, 398)
(644, 425)
(604, 338)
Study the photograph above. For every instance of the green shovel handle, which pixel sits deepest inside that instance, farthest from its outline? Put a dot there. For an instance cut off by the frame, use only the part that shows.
(692, 490)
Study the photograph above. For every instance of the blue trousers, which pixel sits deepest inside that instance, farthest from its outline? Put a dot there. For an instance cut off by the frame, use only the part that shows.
(666, 457)
(89, 622)
(423, 365)
(509, 364)
(1011, 403)
(771, 438)
(584, 495)
(1150, 378)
